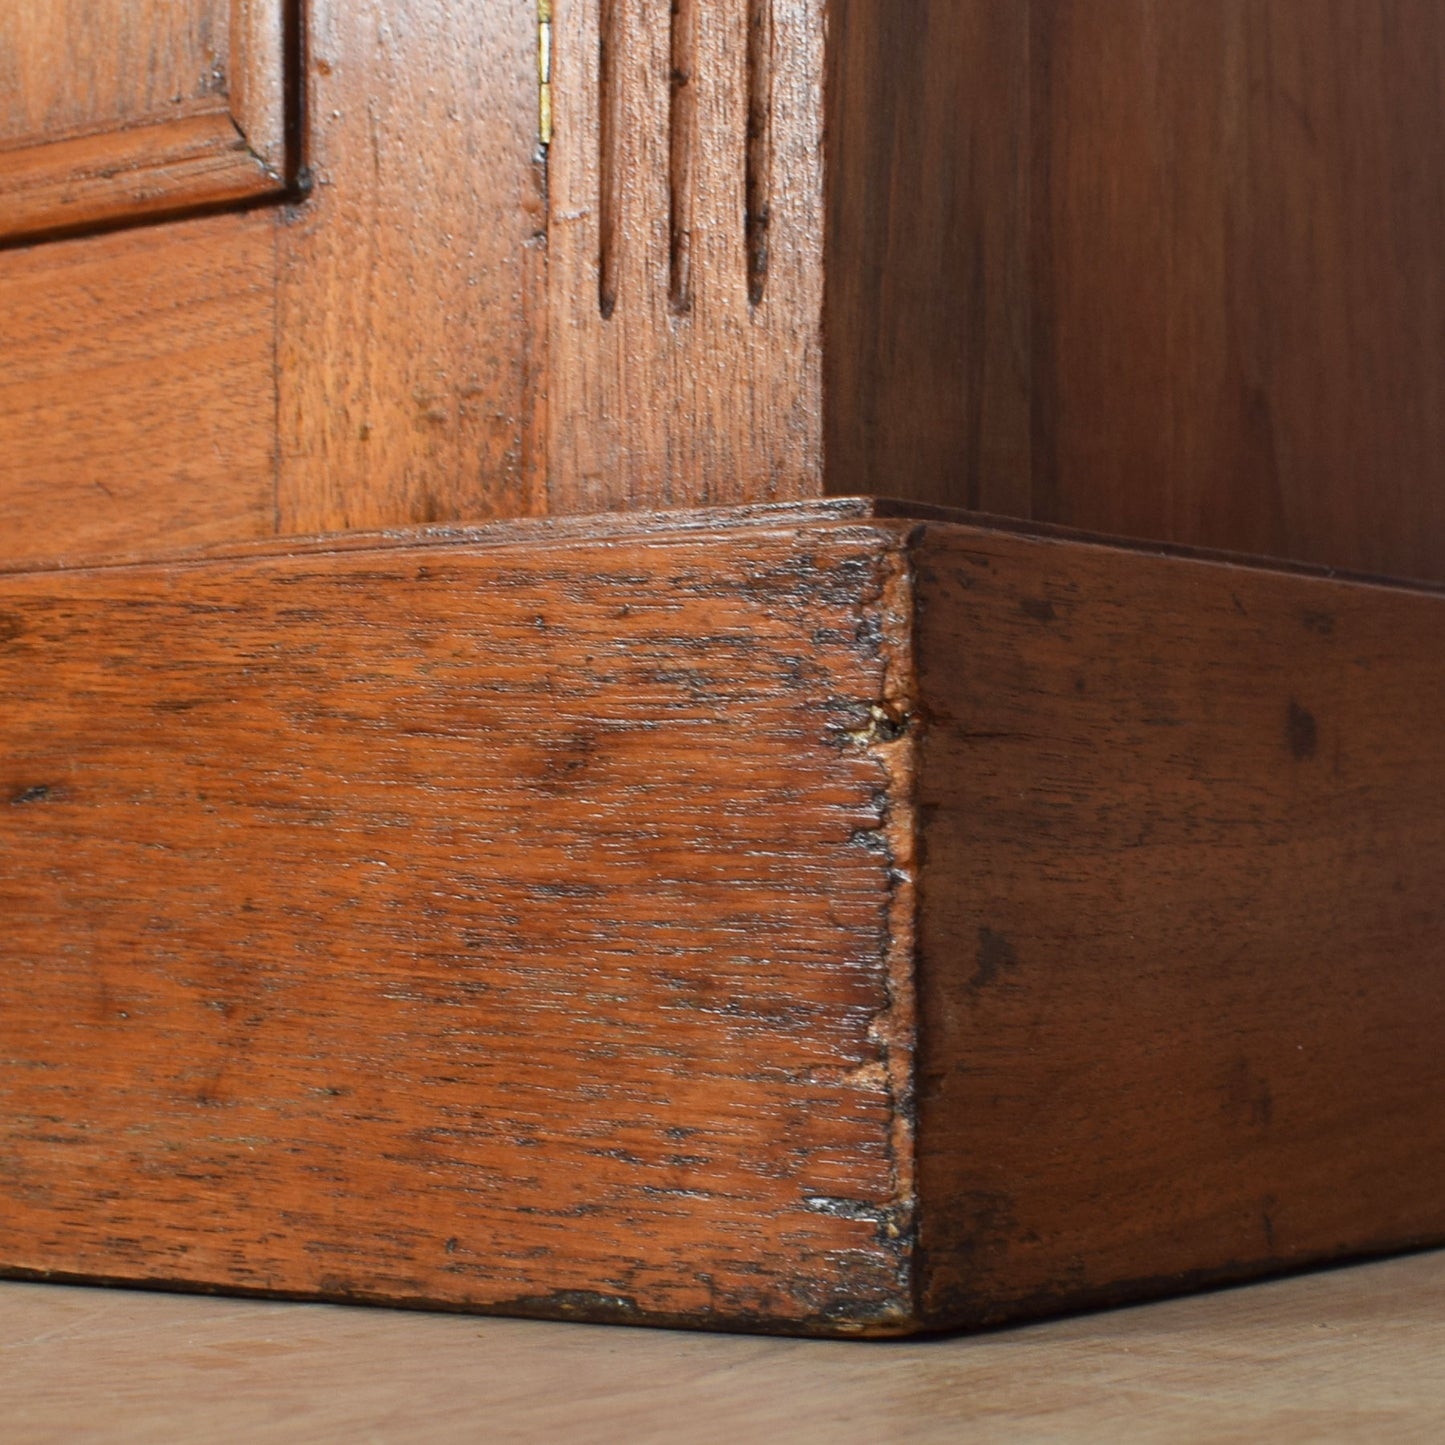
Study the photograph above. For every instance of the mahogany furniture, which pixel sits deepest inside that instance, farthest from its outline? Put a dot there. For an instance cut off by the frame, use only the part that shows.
(493, 816)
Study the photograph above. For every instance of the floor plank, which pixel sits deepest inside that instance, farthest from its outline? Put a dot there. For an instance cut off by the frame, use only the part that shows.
(1343, 1355)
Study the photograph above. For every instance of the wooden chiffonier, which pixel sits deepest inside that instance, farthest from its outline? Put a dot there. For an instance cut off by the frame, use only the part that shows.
(768, 664)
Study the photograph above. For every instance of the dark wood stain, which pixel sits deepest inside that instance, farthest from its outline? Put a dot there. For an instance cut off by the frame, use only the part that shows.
(926, 386)
(1039, 608)
(1150, 269)
(1213, 313)
(1222, 1056)
(1303, 732)
(996, 956)
(36, 793)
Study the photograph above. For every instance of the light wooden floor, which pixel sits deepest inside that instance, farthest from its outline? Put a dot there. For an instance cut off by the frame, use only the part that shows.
(1349, 1355)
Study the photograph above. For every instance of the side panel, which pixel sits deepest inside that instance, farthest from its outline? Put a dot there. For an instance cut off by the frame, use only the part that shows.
(927, 382)
(1154, 269)
(1238, 307)
(1182, 922)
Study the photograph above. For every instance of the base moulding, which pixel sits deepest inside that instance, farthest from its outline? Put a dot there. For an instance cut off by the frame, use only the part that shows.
(835, 920)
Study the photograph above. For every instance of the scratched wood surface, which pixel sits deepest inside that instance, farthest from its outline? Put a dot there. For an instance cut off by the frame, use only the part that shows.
(507, 927)
(529, 919)
(1182, 982)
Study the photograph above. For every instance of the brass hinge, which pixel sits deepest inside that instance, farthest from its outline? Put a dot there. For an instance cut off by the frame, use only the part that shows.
(544, 72)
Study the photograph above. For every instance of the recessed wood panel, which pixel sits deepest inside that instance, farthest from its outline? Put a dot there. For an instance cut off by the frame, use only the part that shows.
(111, 109)
(366, 357)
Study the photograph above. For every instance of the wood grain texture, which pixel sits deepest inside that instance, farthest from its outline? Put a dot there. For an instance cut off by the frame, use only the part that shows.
(1244, 222)
(685, 272)
(1159, 273)
(532, 921)
(136, 402)
(1191, 287)
(410, 284)
(927, 375)
(1180, 922)
(509, 927)
(115, 111)
(1166, 273)
(367, 357)
(75, 67)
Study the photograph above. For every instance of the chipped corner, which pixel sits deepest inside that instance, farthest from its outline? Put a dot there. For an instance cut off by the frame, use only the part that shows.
(892, 736)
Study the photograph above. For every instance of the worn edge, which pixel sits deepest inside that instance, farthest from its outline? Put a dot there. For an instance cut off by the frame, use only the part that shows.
(873, 510)
(936, 1316)
(892, 737)
(210, 155)
(566, 529)
(258, 82)
(142, 175)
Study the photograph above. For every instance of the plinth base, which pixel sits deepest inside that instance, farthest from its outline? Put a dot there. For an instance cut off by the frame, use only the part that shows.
(817, 920)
